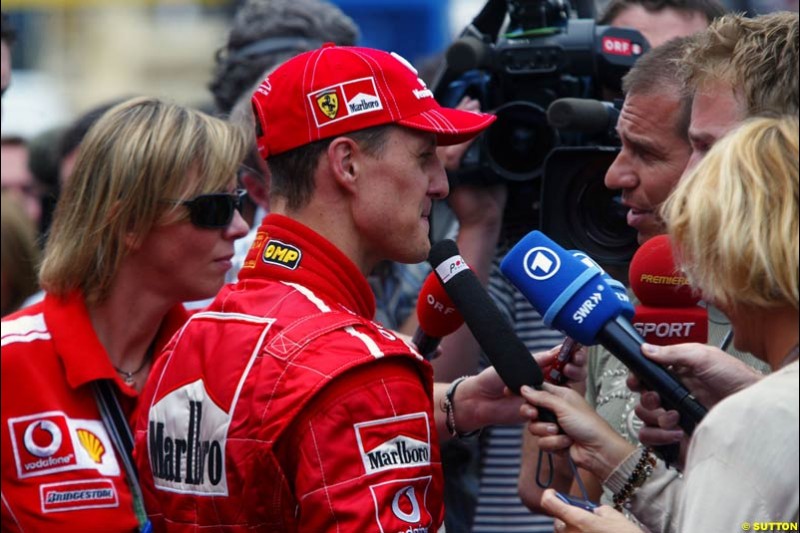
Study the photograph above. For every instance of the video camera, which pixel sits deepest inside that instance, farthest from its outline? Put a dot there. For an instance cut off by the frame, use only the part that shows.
(544, 76)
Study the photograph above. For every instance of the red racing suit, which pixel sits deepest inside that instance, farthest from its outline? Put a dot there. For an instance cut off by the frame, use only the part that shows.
(60, 470)
(283, 407)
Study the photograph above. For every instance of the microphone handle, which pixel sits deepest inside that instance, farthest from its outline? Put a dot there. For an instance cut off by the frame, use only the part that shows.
(426, 345)
(621, 339)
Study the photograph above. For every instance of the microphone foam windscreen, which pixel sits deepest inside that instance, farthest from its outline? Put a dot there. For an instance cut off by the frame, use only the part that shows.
(655, 280)
(436, 313)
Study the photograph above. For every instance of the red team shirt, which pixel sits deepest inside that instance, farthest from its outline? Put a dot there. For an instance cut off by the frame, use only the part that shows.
(60, 470)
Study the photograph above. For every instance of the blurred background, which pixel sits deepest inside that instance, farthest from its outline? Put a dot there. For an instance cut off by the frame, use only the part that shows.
(71, 55)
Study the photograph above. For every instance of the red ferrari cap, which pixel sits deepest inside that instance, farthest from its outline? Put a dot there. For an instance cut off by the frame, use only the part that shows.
(339, 89)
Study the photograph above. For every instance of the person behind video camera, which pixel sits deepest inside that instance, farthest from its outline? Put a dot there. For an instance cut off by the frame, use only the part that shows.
(733, 220)
(661, 20)
(264, 33)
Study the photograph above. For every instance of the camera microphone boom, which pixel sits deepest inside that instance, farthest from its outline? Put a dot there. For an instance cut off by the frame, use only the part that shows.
(577, 300)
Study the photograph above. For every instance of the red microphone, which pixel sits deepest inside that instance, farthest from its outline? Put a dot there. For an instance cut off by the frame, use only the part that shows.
(437, 316)
(668, 313)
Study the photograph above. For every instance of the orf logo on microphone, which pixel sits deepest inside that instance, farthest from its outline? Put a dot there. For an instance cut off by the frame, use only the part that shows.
(541, 263)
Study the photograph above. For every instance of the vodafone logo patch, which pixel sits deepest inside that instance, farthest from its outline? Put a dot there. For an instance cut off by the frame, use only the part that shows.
(400, 505)
(344, 100)
(45, 431)
(52, 442)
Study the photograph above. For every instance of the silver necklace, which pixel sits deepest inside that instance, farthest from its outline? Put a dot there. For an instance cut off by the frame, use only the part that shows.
(129, 377)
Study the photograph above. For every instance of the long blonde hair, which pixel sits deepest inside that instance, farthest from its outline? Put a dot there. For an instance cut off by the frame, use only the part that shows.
(734, 219)
(138, 154)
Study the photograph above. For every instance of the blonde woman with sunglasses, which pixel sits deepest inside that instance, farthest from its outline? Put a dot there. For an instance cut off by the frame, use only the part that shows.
(147, 221)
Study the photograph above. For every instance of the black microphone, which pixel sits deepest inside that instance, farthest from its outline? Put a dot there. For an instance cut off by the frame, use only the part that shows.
(582, 115)
(621, 339)
(507, 353)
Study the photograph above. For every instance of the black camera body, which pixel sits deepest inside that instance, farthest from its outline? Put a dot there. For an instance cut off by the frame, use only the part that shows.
(544, 57)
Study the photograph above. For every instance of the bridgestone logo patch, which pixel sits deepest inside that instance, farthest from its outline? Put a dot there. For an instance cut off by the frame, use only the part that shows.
(398, 442)
(73, 495)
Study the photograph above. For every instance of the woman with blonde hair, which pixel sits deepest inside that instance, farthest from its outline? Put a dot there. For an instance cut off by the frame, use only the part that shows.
(734, 224)
(147, 221)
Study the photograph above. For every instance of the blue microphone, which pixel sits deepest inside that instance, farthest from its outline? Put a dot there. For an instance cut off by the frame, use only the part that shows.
(628, 311)
(575, 298)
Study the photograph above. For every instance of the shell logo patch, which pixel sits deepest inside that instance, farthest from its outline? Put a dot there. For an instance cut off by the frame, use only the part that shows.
(92, 444)
(345, 100)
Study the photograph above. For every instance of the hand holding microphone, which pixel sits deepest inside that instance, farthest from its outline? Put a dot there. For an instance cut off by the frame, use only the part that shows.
(577, 300)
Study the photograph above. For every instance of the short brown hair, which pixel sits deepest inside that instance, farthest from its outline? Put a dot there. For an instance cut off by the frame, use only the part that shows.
(292, 172)
(758, 57)
(657, 71)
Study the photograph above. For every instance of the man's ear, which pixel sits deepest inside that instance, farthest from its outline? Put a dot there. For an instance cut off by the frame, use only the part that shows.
(343, 156)
(257, 189)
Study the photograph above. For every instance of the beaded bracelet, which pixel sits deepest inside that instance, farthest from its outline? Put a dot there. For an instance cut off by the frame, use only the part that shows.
(644, 467)
(450, 411)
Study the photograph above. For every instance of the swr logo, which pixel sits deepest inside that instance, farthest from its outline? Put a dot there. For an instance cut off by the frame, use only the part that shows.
(281, 254)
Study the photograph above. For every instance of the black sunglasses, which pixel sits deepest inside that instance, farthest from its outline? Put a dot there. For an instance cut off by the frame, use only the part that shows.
(214, 211)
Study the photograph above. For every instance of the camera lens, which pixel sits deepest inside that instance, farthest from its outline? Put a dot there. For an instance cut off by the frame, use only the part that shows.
(519, 140)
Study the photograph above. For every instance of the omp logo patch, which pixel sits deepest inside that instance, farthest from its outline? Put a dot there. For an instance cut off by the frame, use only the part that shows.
(50, 442)
(186, 439)
(75, 495)
(397, 442)
(344, 100)
(400, 505)
(281, 254)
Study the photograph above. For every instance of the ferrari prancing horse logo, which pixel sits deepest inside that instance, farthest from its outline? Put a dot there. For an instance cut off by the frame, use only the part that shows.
(329, 103)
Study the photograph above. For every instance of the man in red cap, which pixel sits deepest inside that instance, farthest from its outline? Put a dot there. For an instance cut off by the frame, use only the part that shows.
(284, 407)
